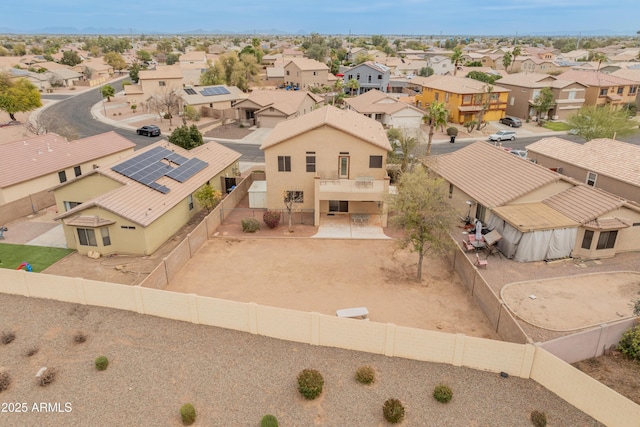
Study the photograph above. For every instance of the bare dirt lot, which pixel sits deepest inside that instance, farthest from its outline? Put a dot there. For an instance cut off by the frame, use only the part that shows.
(615, 371)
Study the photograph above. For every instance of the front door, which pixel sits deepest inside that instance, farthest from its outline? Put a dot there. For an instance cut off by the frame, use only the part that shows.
(344, 166)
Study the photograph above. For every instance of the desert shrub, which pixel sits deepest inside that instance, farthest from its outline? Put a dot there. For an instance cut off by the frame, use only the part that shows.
(393, 411)
(452, 131)
(310, 383)
(5, 380)
(8, 337)
(32, 351)
(538, 419)
(629, 344)
(442, 393)
(188, 414)
(269, 421)
(79, 338)
(47, 377)
(102, 363)
(250, 225)
(271, 218)
(365, 375)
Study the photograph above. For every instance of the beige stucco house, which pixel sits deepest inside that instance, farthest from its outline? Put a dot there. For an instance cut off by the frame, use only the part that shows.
(153, 82)
(267, 108)
(568, 95)
(386, 109)
(134, 205)
(37, 164)
(604, 89)
(303, 73)
(602, 163)
(540, 214)
(330, 160)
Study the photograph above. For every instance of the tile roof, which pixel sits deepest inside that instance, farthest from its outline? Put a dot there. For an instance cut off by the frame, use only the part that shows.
(374, 101)
(592, 78)
(583, 203)
(373, 65)
(461, 85)
(162, 72)
(350, 122)
(616, 159)
(30, 158)
(142, 205)
(198, 98)
(489, 174)
(535, 80)
(287, 101)
(306, 64)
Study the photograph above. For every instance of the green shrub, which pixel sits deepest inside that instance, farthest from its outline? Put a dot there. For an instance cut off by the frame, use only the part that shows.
(310, 383)
(538, 419)
(250, 225)
(271, 218)
(442, 393)
(269, 421)
(629, 344)
(365, 375)
(188, 414)
(393, 411)
(102, 363)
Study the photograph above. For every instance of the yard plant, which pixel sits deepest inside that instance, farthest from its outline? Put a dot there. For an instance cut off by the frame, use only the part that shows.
(271, 218)
(269, 421)
(393, 411)
(538, 419)
(365, 375)
(629, 344)
(250, 225)
(442, 393)
(310, 383)
(188, 414)
(102, 363)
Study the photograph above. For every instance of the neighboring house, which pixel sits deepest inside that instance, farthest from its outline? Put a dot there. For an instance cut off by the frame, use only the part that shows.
(440, 64)
(153, 82)
(466, 99)
(604, 89)
(193, 57)
(538, 65)
(568, 96)
(303, 73)
(602, 163)
(42, 81)
(369, 75)
(386, 110)
(332, 161)
(98, 67)
(40, 163)
(134, 205)
(292, 53)
(271, 59)
(353, 53)
(213, 101)
(266, 108)
(540, 214)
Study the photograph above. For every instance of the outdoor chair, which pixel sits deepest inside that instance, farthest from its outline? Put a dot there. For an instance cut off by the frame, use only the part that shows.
(481, 263)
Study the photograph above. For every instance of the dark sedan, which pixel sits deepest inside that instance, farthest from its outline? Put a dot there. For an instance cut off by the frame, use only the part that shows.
(150, 130)
(511, 121)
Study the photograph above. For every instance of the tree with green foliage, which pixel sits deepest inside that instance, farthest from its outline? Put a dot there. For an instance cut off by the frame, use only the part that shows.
(507, 60)
(594, 121)
(317, 52)
(353, 85)
(404, 143)
(362, 57)
(164, 46)
(134, 73)
(379, 41)
(213, 75)
(436, 115)
(18, 96)
(70, 58)
(143, 56)
(208, 197)
(456, 57)
(186, 137)
(172, 58)
(115, 60)
(484, 77)
(421, 208)
(107, 91)
(426, 72)
(517, 51)
(542, 103)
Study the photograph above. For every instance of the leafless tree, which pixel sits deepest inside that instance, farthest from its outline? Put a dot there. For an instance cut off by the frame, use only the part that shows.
(40, 124)
(166, 103)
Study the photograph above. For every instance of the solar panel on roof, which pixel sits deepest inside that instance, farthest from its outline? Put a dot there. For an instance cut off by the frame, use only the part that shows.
(190, 91)
(217, 90)
(187, 170)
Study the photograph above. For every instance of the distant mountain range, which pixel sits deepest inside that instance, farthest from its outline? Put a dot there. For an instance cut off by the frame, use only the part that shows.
(274, 31)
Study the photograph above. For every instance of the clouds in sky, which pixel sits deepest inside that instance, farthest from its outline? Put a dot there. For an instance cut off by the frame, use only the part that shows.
(490, 17)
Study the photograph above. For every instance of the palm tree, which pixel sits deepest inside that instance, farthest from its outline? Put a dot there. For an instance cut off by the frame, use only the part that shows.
(353, 85)
(517, 51)
(456, 57)
(436, 115)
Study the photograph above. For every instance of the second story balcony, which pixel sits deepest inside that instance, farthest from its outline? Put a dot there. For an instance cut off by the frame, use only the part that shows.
(364, 188)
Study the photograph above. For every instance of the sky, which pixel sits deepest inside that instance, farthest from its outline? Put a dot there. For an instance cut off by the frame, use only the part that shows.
(406, 17)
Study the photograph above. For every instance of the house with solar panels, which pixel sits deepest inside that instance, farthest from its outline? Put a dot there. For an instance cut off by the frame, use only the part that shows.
(213, 101)
(134, 205)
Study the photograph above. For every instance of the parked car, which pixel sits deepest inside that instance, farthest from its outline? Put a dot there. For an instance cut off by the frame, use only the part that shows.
(511, 121)
(503, 135)
(150, 130)
(520, 153)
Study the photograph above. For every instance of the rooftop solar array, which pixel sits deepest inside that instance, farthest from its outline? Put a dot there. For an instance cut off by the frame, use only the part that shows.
(147, 167)
(190, 91)
(216, 90)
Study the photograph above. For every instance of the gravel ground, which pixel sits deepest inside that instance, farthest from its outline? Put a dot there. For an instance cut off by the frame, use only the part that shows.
(232, 378)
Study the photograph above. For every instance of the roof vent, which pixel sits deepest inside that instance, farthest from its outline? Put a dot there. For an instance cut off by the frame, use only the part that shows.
(49, 149)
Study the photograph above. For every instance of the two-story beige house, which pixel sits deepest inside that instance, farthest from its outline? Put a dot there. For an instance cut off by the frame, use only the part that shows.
(604, 89)
(153, 82)
(568, 96)
(303, 73)
(330, 160)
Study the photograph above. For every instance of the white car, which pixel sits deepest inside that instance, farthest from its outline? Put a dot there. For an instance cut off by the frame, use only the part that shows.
(503, 135)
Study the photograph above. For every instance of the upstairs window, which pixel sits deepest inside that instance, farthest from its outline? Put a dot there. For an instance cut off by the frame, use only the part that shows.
(311, 161)
(62, 176)
(284, 163)
(375, 162)
(603, 92)
(162, 83)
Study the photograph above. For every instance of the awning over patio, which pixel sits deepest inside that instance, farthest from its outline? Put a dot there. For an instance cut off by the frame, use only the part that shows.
(533, 217)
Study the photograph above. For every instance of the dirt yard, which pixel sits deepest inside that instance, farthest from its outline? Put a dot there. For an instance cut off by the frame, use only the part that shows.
(324, 275)
(615, 371)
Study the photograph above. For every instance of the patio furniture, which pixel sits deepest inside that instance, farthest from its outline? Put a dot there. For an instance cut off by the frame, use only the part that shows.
(481, 263)
(353, 313)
